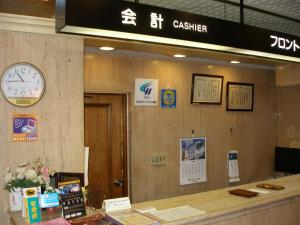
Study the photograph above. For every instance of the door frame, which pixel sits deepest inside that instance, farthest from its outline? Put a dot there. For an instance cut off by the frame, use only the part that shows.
(126, 161)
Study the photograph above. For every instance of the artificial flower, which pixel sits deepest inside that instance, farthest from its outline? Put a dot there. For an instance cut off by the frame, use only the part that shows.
(30, 174)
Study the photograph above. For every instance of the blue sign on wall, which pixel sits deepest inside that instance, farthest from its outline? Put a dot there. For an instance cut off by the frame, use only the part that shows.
(168, 98)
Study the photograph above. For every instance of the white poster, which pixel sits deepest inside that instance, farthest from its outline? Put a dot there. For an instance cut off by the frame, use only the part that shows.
(146, 92)
(192, 160)
(86, 165)
(233, 167)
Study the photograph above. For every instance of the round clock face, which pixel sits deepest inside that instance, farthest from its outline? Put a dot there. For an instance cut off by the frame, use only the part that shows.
(22, 84)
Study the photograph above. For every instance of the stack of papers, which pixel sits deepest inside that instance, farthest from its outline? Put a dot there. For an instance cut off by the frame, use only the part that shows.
(131, 218)
(177, 213)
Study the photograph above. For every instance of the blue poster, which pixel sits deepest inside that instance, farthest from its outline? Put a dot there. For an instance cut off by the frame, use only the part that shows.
(49, 200)
(168, 98)
(24, 127)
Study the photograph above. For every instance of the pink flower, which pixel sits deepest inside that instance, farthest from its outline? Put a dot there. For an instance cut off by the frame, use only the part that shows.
(45, 173)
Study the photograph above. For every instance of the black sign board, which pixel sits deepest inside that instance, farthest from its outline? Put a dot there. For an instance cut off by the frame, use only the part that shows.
(141, 19)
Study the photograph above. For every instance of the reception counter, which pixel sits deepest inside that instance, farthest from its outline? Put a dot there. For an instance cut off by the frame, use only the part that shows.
(275, 208)
(280, 207)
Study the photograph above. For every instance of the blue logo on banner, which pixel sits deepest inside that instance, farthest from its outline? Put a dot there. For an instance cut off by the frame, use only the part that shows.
(146, 88)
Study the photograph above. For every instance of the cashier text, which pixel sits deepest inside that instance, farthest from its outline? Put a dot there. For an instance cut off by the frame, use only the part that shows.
(129, 17)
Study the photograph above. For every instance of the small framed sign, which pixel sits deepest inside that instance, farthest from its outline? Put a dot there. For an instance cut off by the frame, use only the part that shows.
(168, 98)
(239, 96)
(207, 89)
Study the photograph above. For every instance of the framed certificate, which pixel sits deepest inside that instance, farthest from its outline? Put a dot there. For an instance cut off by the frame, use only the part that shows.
(239, 96)
(207, 89)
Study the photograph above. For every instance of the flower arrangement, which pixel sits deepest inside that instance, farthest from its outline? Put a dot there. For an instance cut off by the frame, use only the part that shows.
(30, 174)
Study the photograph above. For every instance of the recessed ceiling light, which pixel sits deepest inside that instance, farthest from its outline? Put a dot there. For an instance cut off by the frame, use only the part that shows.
(234, 62)
(179, 56)
(174, 42)
(106, 48)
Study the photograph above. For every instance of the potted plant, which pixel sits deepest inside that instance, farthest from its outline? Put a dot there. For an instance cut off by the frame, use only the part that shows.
(29, 174)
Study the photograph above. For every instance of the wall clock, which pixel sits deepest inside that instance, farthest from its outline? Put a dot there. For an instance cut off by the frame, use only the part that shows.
(22, 84)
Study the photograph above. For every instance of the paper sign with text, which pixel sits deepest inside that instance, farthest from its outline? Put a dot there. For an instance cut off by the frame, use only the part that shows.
(110, 205)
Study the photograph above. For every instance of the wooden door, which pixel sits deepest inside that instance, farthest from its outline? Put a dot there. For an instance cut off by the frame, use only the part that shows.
(105, 135)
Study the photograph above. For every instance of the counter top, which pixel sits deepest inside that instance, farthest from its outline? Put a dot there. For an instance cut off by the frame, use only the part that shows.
(219, 205)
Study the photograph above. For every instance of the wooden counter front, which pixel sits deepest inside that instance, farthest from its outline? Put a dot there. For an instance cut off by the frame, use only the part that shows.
(276, 208)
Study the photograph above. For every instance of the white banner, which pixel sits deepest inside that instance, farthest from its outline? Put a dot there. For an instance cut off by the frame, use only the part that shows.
(146, 92)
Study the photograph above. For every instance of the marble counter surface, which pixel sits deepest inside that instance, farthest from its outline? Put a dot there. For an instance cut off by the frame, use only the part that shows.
(219, 205)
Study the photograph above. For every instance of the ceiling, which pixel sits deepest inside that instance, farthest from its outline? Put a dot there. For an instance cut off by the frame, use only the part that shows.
(213, 8)
(136, 47)
(39, 8)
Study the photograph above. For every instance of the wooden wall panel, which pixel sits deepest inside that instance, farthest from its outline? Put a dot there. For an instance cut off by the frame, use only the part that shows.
(288, 75)
(153, 129)
(288, 111)
(60, 111)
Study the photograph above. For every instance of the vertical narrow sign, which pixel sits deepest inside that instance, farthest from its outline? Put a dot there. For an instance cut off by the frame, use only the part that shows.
(233, 167)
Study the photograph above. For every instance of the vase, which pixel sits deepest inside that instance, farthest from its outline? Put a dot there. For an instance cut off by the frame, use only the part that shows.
(15, 200)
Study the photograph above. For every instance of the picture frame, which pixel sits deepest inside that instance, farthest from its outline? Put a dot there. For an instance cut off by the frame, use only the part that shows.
(239, 96)
(207, 89)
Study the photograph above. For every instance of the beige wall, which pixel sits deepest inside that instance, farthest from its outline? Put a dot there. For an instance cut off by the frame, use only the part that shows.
(60, 111)
(288, 103)
(153, 129)
(288, 75)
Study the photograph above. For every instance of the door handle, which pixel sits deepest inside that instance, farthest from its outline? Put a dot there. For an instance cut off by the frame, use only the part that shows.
(119, 182)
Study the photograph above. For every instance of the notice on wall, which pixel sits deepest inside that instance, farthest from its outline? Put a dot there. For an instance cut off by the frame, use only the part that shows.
(192, 160)
(146, 92)
(86, 165)
(233, 167)
(25, 127)
(168, 98)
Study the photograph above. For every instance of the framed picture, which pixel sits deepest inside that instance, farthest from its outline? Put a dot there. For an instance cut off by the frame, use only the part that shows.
(168, 98)
(239, 96)
(207, 89)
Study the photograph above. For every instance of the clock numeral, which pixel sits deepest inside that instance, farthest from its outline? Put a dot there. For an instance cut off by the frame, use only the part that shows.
(23, 70)
(8, 88)
(16, 91)
(22, 92)
(11, 76)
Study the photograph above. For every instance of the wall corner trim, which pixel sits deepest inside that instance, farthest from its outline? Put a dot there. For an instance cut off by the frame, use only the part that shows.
(21, 23)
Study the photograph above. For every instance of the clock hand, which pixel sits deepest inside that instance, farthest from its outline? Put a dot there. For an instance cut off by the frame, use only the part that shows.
(20, 77)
